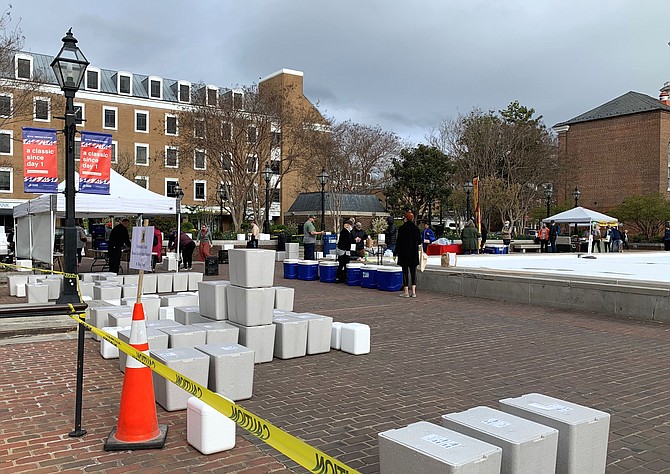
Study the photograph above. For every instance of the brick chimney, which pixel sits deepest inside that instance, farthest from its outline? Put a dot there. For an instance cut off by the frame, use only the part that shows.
(664, 96)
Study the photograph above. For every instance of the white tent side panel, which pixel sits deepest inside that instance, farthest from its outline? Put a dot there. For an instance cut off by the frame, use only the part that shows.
(42, 237)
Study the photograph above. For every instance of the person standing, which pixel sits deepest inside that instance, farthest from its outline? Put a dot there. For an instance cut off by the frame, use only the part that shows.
(595, 233)
(469, 238)
(205, 243)
(616, 239)
(186, 247)
(407, 248)
(81, 241)
(624, 238)
(506, 235)
(118, 238)
(427, 236)
(255, 235)
(485, 234)
(554, 230)
(157, 248)
(543, 235)
(666, 236)
(344, 243)
(390, 234)
(360, 236)
(309, 237)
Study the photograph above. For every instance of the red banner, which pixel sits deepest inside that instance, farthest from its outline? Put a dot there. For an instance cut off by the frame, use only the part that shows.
(40, 160)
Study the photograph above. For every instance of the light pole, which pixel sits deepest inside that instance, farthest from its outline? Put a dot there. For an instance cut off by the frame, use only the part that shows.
(179, 195)
(222, 197)
(468, 187)
(575, 194)
(548, 192)
(267, 176)
(323, 179)
(69, 66)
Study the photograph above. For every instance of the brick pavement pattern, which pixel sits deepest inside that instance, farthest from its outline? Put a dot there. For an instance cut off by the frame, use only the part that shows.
(430, 356)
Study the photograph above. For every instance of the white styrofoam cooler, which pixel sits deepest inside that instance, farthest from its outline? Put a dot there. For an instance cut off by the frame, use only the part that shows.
(251, 268)
(193, 279)
(261, 339)
(179, 282)
(426, 448)
(219, 332)
(583, 431)
(164, 283)
(212, 298)
(290, 337)
(355, 338)
(208, 430)
(188, 315)
(336, 336)
(318, 332)
(250, 306)
(284, 298)
(107, 350)
(231, 370)
(188, 362)
(528, 447)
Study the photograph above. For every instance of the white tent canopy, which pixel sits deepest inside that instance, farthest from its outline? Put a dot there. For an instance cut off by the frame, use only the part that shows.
(36, 219)
(581, 215)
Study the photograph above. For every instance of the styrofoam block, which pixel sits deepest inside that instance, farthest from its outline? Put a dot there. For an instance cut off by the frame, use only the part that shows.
(101, 276)
(336, 336)
(26, 265)
(115, 279)
(356, 338)
(162, 323)
(250, 306)
(208, 430)
(284, 298)
(107, 350)
(164, 282)
(582, 431)
(179, 282)
(131, 279)
(290, 337)
(155, 338)
(166, 313)
(54, 285)
(37, 292)
(212, 299)
(86, 288)
(150, 303)
(184, 336)
(260, 339)
(231, 370)
(179, 300)
(169, 263)
(14, 280)
(281, 256)
(185, 360)
(20, 290)
(113, 301)
(251, 268)
(98, 314)
(106, 292)
(120, 318)
(35, 278)
(188, 315)
(219, 332)
(86, 298)
(149, 283)
(128, 291)
(87, 277)
(318, 332)
(426, 448)
(193, 279)
(527, 447)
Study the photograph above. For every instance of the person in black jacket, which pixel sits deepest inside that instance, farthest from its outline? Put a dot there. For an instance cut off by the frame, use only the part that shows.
(117, 239)
(344, 250)
(390, 234)
(407, 251)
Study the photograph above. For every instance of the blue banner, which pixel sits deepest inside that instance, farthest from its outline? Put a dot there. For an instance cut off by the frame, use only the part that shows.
(40, 160)
(95, 161)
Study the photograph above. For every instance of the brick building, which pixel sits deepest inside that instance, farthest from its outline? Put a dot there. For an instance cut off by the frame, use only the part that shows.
(140, 112)
(619, 149)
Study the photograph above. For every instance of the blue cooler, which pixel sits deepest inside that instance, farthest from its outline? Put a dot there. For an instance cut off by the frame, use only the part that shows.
(328, 271)
(291, 269)
(354, 274)
(307, 269)
(329, 243)
(389, 278)
(369, 276)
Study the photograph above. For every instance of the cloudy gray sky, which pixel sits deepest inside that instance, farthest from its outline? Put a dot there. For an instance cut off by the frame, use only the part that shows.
(405, 66)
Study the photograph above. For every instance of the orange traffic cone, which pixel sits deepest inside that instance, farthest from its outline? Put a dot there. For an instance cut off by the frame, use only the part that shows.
(138, 425)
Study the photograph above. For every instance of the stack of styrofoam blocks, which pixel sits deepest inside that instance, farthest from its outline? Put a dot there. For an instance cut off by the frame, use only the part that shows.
(292, 250)
(250, 299)
(99, 312)
(212, 299)
(318, 332)
(170, 262)
(16, 284)
(284, 298)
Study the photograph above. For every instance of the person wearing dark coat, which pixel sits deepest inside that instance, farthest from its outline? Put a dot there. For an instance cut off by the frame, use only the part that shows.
(407, 250)
(118, 237)
(344, 243)
(390, 234)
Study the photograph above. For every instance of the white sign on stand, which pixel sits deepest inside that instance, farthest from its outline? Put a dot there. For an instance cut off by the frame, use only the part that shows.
(140, 249)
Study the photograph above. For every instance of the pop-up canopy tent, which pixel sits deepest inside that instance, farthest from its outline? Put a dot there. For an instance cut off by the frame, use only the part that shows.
(582, 217)
(35, 220)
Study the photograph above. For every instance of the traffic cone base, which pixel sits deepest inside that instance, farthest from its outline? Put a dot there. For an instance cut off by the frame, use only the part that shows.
(113, 444)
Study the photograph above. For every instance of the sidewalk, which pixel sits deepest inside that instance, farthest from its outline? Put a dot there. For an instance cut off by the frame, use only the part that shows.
(430, 356)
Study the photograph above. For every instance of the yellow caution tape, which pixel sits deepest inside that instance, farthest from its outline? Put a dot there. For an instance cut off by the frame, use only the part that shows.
(43, 270)
(308, 457)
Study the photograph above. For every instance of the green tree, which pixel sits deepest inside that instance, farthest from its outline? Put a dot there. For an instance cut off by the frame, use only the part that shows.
(647, 213)
(419, 178)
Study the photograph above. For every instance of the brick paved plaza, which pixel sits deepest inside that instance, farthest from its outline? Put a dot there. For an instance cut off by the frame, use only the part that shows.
(430, 356)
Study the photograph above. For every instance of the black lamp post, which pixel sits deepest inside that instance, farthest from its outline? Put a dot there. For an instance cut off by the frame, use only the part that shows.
(179, 195)
(548, 192)
(323, 179)
(222, 197)
(69, 66)
(575, 194)
(468, 187)
(267, 176)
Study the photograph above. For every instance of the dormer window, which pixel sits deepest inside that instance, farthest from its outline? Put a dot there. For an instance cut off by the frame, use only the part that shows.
(184, 89)
(92, 79)
(155, 88)
(238, 100)
(124, 83)
(23, 66)
(212, 95)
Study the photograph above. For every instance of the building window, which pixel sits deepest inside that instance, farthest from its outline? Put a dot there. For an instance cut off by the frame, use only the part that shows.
(142, 181)
(227, 161)
(170, 124)
(199, 161)
(199, 190)
(212, 96)
(252, 134)
(170, 184)
(6, 142)
(42, 109)
(6, 180)
(92, 79)
(141, 121)
(109, 118)
(227, 131)
(199, 129)
(275, 195)
(5, 105)
(275, 166)
(171, 157)
(24, 67)
(238, 100)
(276, 139)
(124, 85)
(252, 164)
(80, 114)
(115, 147)
(155, 88)
(184, 92)
(141, 154)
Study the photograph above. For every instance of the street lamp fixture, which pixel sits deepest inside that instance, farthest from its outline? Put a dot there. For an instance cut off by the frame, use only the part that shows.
(575, 194)
(222, 197)
(70, 65)
(548, 192)
(179, 195)
(267, 176)
(323, 179)
(468, 187)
